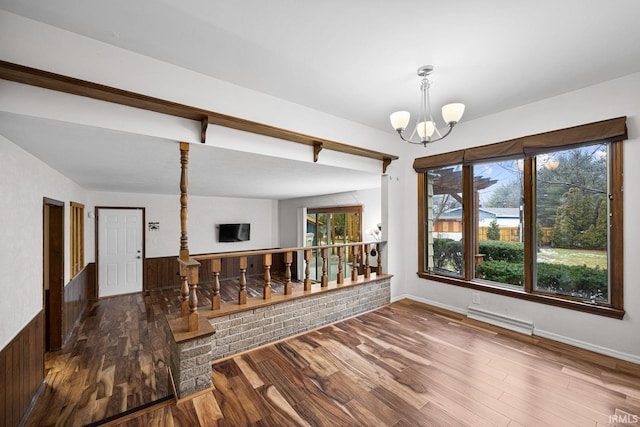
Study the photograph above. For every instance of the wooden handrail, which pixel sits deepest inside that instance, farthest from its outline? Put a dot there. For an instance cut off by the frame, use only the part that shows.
(360, 254)
(220, 255)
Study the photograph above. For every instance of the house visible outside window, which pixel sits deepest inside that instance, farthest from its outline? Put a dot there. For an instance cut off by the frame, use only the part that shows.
(541, 218)
(76, 238)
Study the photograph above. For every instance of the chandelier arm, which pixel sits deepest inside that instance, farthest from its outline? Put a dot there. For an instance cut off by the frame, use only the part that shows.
(445, 135)
(408, 140)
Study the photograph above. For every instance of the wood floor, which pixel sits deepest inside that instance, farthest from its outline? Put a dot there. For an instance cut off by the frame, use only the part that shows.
(401, 365)
(117, 356)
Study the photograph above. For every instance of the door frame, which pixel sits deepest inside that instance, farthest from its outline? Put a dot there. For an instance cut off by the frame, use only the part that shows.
(330, 210)
(53, 255)
(97, 245)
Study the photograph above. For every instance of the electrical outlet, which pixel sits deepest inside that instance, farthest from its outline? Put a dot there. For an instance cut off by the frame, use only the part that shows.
(475, 298)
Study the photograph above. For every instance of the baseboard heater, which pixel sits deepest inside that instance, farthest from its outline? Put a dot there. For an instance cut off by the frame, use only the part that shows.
(522, 326)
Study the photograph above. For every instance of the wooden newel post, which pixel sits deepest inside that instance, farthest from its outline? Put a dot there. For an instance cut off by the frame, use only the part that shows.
(379, 269)
(215, 299)
(266, 290)
(184, 214)
(288, 260)
(354, 266)
(184, 247)
(189, 268)
(324, 281)
(307, 260)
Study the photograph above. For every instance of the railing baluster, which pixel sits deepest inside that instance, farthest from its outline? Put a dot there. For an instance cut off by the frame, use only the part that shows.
(184, 291)
(367, 269)
(354, 270)
(215, 299)
(340, 275)
(242, 293)
(193, 296)
(355, 256)
(324, 281)
(307, 279)
(266, 290)
(288, 259)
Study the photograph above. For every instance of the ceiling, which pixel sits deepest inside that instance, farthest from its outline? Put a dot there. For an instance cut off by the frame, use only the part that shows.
(354, 59)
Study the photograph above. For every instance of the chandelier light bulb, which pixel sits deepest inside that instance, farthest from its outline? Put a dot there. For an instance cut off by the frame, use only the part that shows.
(452, 113)
(400, 120)
(425, 130)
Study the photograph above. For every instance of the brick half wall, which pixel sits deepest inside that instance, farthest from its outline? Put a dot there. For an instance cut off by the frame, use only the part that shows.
(242, 331)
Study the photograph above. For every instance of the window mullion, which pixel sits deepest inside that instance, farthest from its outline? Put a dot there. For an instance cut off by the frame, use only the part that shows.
(616, 233)
(530, 241)
(422, 231)
(469, 222)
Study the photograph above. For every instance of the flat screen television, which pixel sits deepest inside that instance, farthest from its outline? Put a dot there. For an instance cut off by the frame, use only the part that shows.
(234, 232)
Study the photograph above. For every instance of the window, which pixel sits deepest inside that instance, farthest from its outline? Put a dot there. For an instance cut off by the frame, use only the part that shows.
(332, 226)
(541, 217)
(444, 203)
(499, 190)
(77, 238)
(572, 219)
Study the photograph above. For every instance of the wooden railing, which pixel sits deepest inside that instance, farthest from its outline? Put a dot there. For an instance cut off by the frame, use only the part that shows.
(360, 262)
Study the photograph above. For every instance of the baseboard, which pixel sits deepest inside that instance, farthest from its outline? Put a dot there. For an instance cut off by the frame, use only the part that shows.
(496, 319)
(430, 302)
(535, 332)
(587, 346)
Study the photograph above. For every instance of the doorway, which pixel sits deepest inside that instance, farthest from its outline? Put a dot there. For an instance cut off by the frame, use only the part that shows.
(120, 243)
(332, 226)
(53, 271)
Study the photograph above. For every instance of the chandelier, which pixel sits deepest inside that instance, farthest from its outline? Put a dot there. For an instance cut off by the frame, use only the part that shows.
(426, 127)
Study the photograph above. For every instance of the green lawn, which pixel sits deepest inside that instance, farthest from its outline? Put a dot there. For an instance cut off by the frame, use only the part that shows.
(573, 257)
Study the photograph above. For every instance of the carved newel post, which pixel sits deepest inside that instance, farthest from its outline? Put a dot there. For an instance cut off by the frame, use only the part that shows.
(189, 268)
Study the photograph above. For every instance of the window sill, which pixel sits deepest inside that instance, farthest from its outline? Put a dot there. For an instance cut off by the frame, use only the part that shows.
(554, 300)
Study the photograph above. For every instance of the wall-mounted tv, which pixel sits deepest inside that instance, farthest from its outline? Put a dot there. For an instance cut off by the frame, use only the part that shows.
(234, 232)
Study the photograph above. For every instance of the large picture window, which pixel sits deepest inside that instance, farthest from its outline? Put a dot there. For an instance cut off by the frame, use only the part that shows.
(537, 218)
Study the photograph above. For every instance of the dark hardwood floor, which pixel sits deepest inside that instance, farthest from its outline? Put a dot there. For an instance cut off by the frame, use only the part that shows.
(117, 357)
(402, 365)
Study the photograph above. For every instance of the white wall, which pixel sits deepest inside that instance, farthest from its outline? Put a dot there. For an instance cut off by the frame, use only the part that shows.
(204, 214)
(24, 181)
(620, 97)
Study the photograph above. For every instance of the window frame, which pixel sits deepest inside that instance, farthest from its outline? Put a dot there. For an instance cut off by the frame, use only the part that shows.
(613, 131)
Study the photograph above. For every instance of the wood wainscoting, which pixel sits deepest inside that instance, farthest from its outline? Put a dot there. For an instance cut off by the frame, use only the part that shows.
(22, 360)
(162, 272)
(21, 371)
(76, 295)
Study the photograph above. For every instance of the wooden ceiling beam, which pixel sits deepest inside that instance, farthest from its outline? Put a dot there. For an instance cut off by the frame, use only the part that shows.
(58, 82)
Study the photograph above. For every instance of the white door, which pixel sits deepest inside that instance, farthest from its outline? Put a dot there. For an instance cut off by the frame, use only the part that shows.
(119, 251)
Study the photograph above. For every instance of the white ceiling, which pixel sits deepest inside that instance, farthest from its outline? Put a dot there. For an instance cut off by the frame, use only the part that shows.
(106, 160)
(357, 59)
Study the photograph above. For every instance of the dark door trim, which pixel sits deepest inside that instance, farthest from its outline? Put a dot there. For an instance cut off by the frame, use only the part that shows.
(53, 257)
